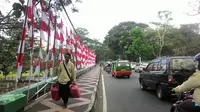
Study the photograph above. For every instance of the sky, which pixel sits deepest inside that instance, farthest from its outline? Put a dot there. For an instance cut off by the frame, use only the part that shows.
(99, 16)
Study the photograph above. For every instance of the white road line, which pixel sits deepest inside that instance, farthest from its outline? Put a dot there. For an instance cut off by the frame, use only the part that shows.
(104, 95)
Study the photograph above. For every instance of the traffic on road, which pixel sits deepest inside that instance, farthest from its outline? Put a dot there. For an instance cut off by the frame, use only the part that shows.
(161, 85)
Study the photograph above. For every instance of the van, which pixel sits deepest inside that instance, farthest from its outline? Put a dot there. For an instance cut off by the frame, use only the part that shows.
(163, 74)
(121, 68)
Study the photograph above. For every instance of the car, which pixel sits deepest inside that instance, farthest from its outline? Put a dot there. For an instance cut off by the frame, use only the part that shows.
(142, 66)
(139, 67)
(121, 68)
(164, 73)
(133, 64)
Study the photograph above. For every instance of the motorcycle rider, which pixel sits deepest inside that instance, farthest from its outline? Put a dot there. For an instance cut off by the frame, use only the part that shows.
(193, 82)
(108, 67)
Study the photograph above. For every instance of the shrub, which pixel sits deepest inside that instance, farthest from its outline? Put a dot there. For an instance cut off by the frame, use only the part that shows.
(41, 74)
(2, 76)
(11, 74)
(25, 74)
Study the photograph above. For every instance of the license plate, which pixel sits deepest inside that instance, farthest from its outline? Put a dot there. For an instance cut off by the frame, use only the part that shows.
(123, 70)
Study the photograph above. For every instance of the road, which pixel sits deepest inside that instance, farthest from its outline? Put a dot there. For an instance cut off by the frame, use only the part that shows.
(124, 95)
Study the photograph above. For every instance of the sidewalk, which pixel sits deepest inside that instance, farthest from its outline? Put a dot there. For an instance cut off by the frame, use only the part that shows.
(87, 84)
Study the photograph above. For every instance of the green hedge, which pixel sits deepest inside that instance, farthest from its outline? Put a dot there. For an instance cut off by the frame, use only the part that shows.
(2, 76)
(25, 74)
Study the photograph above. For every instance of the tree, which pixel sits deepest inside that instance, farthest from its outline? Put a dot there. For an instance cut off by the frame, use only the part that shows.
(195, 7)
(84, 36)
(12, 19)
(162, 25)
(150, 36)
(82, 32)
(190, 30)
(104, 53)
(139, 47)
(11, 25)
(118, 37)
(94, 44)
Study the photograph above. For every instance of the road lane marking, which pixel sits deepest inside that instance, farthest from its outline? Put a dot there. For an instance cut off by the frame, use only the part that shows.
(104, 95)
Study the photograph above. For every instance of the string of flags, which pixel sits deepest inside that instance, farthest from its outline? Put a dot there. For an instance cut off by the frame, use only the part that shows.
(54, 34)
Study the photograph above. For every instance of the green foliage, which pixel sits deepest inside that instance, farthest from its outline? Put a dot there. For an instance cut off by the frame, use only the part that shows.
(11, 26)
(139, 46)
(94, 44)
(84, 36)
(2, 76)
(11, 75)
(118, 37)
(131, 44)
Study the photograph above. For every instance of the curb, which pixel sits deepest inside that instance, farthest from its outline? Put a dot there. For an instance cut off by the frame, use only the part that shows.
(93, 97)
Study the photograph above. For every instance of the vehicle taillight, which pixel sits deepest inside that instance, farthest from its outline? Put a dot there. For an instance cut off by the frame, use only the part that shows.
(170, 78)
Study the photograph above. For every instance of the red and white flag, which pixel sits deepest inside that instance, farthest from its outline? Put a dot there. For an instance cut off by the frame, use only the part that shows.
(43, 32)
(31, 9)
(20, 53)
(31, 35)
(61, 46)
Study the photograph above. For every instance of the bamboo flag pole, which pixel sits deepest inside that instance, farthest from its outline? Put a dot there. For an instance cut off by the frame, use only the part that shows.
(32, 48)
(20, 57)
(47, 50)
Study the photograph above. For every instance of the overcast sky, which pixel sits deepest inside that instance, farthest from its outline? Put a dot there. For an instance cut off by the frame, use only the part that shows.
(99, 16)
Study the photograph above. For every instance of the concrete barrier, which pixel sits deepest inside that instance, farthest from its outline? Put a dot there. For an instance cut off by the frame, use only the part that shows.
(16, 100)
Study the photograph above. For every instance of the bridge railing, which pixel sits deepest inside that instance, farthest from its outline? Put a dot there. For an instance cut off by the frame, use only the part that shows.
(19, 99)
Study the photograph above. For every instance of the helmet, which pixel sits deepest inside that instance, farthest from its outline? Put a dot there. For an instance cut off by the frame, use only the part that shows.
(197, 57)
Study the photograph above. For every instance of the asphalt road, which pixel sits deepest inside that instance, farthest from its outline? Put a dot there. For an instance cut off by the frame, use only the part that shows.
(124, 95)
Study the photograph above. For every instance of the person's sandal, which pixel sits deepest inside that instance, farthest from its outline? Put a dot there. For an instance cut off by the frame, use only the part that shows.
(65, 106)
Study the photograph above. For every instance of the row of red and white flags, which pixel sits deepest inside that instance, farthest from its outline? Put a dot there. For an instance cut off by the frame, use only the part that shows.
(52, 33)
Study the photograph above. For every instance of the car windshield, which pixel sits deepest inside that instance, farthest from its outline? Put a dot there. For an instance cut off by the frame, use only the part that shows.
(183, 64)
(144, 64)
(123, 64)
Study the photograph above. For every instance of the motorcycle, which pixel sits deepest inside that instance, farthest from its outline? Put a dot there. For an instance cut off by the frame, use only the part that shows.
(108, 70)
(181, 98)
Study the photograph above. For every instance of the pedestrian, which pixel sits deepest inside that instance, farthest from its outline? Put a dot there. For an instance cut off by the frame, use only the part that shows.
(65, 72)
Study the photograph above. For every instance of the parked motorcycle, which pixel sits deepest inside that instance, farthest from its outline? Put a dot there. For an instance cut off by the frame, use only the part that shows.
(181, 98)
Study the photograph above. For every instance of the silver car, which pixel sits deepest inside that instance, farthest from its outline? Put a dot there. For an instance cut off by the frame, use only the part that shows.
(139, 67)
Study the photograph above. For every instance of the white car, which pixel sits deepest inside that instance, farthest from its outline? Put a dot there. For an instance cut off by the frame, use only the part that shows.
(133, 65)
(139, 67)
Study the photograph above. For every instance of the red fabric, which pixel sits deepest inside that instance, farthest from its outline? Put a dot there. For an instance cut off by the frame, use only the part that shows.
(61, 37)
(55, 92)
(43, 26)
(20, 58)
(29, 12)
(74, 90)
(57, 36)
(67, 32)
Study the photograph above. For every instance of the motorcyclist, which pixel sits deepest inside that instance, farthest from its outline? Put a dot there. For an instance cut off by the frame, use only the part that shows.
(108, 67)
(193, 82)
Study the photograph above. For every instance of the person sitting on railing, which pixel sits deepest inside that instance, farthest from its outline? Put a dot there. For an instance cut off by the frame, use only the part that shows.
(65, 72)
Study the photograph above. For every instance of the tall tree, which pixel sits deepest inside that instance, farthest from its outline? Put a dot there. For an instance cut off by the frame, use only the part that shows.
(162, 25)
(118, 37)
(139, 47)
